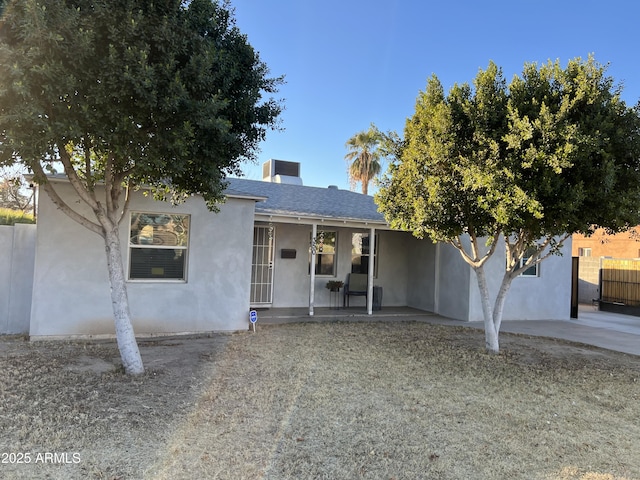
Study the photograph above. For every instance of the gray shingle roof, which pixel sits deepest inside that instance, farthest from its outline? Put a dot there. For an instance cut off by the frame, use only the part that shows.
(299, 200)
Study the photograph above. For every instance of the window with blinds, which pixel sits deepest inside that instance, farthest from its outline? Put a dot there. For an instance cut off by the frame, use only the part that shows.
(158, 245)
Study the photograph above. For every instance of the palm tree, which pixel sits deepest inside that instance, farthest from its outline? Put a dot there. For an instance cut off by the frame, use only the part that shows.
(363, 157)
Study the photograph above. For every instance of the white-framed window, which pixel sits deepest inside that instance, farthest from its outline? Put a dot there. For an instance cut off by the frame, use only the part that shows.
(584, 252)
(361, 253)
(158, 244)
(533, 270)
(326, 244)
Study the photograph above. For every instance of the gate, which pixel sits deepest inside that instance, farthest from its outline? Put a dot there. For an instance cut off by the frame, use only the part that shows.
(262, 266)
(620, 281)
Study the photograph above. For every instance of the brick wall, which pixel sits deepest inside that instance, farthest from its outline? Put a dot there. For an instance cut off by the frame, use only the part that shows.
(621, 245)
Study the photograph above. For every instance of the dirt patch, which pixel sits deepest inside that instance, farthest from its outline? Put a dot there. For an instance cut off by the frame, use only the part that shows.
(68, 411)
(323, 400)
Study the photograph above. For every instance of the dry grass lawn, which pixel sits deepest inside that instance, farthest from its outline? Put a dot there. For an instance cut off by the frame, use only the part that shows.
(323, 401)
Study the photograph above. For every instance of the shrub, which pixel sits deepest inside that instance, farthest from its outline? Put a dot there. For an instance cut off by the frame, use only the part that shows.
(11, 217)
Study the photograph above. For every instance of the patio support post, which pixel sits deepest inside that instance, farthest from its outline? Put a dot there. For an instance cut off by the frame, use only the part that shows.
(312, 276)
(372, 259)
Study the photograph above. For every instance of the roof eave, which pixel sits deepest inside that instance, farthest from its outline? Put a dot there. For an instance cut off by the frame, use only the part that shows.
(242, 196)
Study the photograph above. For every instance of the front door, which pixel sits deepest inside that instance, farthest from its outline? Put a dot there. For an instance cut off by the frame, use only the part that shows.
(262, 266)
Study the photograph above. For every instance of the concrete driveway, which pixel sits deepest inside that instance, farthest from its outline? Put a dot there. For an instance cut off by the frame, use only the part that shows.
(612, 331)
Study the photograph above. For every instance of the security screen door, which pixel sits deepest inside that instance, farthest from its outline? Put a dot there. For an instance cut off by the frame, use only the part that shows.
(262, 266)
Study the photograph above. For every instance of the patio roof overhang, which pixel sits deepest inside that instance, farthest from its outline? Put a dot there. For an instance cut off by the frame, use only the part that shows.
(301, 219)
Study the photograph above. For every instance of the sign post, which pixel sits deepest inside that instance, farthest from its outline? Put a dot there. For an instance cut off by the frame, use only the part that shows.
(253, 318)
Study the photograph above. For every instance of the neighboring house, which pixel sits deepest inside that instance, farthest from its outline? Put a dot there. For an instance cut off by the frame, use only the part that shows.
(601, 244)
(593, 250)
(190, 270)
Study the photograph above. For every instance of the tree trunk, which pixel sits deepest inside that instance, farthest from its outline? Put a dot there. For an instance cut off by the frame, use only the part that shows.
(500, 299)
(490, 331)
(127, 344)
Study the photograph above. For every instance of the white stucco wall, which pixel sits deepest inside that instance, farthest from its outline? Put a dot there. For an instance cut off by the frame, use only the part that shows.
(17, 254)
(545, 297)
(453, 284)
(440, 281)
(6, 249)
(393, 269)
(421, 268)
(291, 275)
(71, 288)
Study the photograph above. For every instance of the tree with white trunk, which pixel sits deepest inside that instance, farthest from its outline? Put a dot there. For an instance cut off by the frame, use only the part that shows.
(523, 165)
(123, 93)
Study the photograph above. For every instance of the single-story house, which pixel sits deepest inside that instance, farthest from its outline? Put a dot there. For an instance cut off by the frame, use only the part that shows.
(274, 243)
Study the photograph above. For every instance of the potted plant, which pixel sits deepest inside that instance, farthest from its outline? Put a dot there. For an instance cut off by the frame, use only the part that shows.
(335, 285)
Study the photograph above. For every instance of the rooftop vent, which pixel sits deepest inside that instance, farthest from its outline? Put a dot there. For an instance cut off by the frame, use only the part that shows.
(281, 171)
(333, 187)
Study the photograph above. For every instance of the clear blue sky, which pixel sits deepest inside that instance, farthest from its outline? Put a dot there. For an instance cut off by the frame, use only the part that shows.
(349, 63)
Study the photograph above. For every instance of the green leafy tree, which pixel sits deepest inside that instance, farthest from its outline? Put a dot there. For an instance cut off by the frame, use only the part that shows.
(523, 165)
(123, 93)
(363, 157)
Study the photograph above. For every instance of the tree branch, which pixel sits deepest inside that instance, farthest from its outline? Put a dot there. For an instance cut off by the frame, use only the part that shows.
(62, 205)
(457, 244)
(474, 244)
(492, 249)
(127, 200)
(108, 186)
(87, 164)
(476, 261)
(85, 195)
(494, 243)
(537, 258)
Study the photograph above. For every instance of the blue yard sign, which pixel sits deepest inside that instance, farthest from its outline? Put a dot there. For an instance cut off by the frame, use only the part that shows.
(253, 318)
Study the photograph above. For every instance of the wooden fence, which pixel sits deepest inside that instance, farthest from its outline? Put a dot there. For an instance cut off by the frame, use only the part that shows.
(620, 281)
